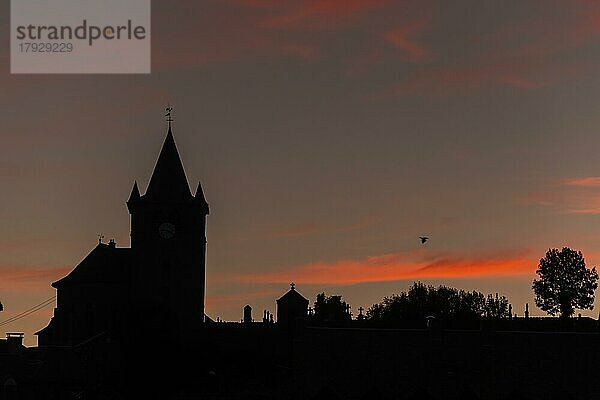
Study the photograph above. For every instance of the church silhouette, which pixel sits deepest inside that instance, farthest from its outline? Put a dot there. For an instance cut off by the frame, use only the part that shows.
(160, 279)
(130, 323)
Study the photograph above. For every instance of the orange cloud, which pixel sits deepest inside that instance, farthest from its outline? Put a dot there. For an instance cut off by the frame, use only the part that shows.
(583, 197)
(399, 266)
(583, 204)
(591, 181)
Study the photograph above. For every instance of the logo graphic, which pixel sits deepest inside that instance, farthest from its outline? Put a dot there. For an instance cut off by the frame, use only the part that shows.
(80, 36)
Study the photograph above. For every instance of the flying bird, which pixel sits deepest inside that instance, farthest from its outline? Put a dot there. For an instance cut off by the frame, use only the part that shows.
(423, 239)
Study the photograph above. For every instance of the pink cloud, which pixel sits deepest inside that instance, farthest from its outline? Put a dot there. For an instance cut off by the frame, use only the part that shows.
(232, 30)
(534, 61)
(578, 196)
(402, 37)
(582, 196)
(236, 29)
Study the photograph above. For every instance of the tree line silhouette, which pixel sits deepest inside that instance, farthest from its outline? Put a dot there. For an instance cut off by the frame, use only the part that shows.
(442, 302)
(564, 284)
(418, 303)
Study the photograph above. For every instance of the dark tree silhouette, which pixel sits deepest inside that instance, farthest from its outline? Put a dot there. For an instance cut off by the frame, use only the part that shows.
(331, 308)
(496, 307)
(442, 302)
(564, 283)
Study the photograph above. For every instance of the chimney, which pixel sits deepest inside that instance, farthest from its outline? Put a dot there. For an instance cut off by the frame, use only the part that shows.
(247, 314)
(14, 341)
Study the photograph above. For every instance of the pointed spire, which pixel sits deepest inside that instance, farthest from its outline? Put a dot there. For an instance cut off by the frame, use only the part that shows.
(199, 197)
(168, 182)
(135, 193)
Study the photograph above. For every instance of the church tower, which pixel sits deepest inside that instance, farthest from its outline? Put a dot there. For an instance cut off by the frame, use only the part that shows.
(168, 243)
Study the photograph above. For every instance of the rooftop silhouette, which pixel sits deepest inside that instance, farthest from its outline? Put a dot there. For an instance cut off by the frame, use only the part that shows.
(168, 181)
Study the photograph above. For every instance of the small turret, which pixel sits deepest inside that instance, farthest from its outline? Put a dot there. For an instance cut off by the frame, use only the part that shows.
(200, 199)
(291, 307)
(134, 196)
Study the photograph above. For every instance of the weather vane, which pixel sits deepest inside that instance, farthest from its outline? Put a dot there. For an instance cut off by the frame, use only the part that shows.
(168, 110)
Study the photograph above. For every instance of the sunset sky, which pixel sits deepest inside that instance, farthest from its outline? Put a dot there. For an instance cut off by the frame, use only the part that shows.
(328, 135)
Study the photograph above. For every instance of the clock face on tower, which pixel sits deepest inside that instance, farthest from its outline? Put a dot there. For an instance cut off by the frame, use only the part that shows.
(166, 230)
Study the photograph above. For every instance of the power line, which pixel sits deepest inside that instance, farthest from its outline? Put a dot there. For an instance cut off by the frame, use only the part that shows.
(29, 311)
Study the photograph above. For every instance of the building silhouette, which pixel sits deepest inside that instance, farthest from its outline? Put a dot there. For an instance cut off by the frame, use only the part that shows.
(130, 323)
(156, 284)
(291, 307)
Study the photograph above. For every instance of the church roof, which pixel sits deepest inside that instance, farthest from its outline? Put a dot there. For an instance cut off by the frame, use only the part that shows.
(104, 264)
(292, 296)
(168, 182)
